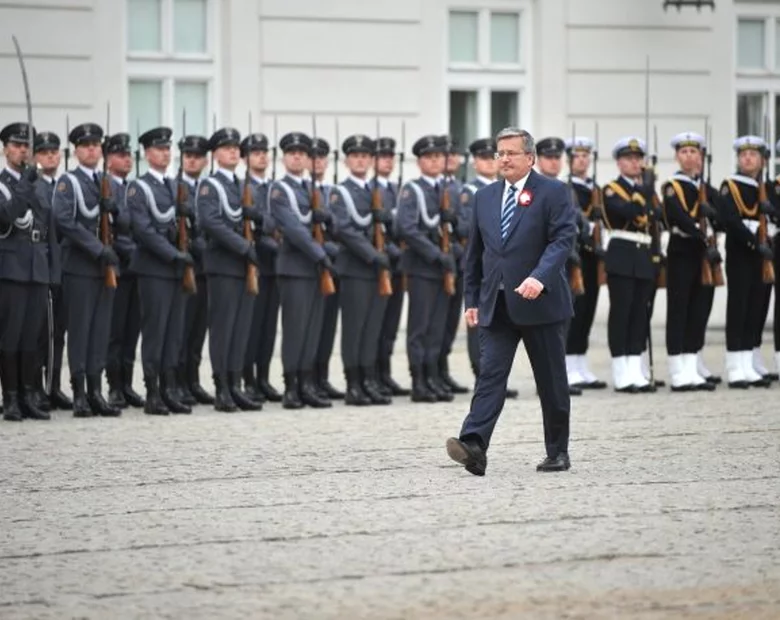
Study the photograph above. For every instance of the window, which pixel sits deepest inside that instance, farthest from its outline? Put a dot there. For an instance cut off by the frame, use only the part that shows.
(144, 105)
(484, 38)
(503, 110)
(463, 36)
(167, 27)
(189, 26)
(750, 114)
(504, 38)
(144, 24)
(751, 44)
(463, 116)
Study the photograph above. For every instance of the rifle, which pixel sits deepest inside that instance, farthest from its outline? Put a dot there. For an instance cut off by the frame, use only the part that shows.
(137, 148)
(183, 239)
(106, 238)
(336, 156)
(767, 268)
(575, 271)
(274, 154)
(67, 142)
(444, 243)
(383, 278)
(248, 203)
(402, 244)
(327, 286)
(597, 202)
(652, 221)
(711, 275)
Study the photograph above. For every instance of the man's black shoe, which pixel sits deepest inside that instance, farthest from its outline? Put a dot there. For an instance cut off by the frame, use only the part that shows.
(469, 454)
(559, 463)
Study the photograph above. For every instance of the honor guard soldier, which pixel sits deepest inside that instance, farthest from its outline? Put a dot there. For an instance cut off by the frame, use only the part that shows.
(742, 210)
(629, 265)
(193, 150)
(159, 267)
(579, 150)
(775, 195)
(47, 158)
(30, 262)
(359, 264)
(88, 301)
(419, 217)
(225, 260)
(262, 336)
(298, 265)
(452, 186)
(383, 167)
(126, 314)
(330, 315)
(687, 297)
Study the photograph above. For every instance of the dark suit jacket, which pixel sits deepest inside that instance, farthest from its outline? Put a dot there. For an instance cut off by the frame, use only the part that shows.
(540, 239)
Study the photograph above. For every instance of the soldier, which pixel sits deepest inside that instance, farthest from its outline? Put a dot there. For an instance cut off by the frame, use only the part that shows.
(579, 151)
(77, 207)
(126, 313)
(418, 218)
(159, 267)
(193, 151)
(687, 299)
(452, 186)
(741, 210)
(383, 163)
(330, 315)
(483, 156)
(775, 195)
(262, 336)
(358, 264)
(47, 158)
(221, 217)
(30, 262)
(298, 264)
(629, 266)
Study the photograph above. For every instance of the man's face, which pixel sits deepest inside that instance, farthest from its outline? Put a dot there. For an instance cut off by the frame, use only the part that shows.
(320, 165)
(689, 158)
(750, 162)
(514, 163)
(120, 164)
(358, 164)
(486, 166)
(454, 162)
(158, 157)
(48, 160)
(227, 156)
(550, 166)
(384, 165)
(88, 154)
(258, 161)
(630, 165)
(15, 154)
(296, 161)
(431, 164)
(193, 164)
(580, 162)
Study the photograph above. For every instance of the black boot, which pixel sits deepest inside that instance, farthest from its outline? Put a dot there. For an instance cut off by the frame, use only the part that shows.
(309, 394)
(241, 398)
(57, 397)
(382, 387)
(41, 398)
(421, 393)
(325, 386)
(133, 398)
(386, 377)
(168, 392)
(250, 385)
(447, 380)
(116, 395)
(435, 385)
(271, 393)
(96, 401)
(355, 395)
(198, 393)
(27, 399)
(154, 404)
(371, 387)
(186, 396)
(223, 400)
(9, 376)
(81, 408)
(292, 396)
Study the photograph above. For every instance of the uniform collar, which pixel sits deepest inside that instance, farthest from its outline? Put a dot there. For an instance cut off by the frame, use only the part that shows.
(228, 174)
(744, 179)
(157, 175)
(257, 179)
(297, 178)
(430, 180)
(191, 181)
(14, 173)
(119, 180)
(383, 181)
(362, 183)
(484, 180)
(631, 182)
(90, 172)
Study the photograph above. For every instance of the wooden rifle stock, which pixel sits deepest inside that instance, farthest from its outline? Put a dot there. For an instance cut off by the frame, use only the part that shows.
(576, 282)
(660, 280)
(183, 238)
(601, 271)
(327, 286)
(106, 237)
(767, 268)
(383, 277)
(444, 230)
(711, 275)
(247, 203)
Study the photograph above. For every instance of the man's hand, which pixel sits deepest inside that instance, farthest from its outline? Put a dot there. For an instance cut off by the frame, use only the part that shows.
(321, 216)
(108, 256)
(184, 257)
(530, 288)
(472, 317)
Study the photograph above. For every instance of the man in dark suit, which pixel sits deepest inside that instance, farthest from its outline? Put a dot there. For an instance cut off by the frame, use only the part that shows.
(516, 288)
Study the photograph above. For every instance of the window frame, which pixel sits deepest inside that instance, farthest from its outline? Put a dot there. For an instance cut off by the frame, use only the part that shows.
(167, 36)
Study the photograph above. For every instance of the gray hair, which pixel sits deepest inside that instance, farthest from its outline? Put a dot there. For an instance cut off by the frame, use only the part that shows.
(529, 145)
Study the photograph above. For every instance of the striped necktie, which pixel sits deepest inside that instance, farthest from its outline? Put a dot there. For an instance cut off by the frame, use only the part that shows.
(507, 211)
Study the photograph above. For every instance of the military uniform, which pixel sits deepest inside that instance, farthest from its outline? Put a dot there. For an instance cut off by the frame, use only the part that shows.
(741, 212)
(77, 207)
(358, 264)
(298, 266)
(221, 218)
(418, 220)
(30, 262)
(775, 196)
(687, 299)
(630, 273)
(126, 313)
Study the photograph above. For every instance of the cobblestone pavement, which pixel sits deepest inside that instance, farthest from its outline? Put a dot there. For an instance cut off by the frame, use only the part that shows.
(671, 509)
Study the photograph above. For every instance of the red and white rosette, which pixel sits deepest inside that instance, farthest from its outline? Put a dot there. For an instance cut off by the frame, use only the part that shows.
(525, 198)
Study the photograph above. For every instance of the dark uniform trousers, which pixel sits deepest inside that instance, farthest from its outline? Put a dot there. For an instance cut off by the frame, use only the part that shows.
(745, 297)
(777, 297)
(195, 324)
(688, 302)
(230, 318)
(425, 323)
(392, 318)
(303, 308)
(584, 307)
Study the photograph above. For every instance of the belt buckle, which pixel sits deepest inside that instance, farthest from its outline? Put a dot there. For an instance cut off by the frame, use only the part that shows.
(35, 236)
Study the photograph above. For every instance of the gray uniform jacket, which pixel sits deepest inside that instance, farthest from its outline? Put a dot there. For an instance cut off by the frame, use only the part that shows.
(417, 219)
(123, 240)
(350, 205)
(267, 247)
